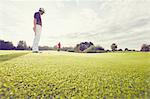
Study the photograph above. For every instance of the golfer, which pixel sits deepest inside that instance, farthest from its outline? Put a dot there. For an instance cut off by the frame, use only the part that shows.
(37, 29)
(58, 46)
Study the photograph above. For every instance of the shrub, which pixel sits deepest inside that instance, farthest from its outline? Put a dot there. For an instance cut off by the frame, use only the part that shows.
(91, 49)
(70, 50)
(100, 51)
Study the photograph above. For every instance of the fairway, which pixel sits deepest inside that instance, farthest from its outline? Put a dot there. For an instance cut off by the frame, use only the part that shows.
(60, 75)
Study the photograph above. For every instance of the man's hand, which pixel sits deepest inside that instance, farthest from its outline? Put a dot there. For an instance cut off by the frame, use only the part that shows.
(34, 30)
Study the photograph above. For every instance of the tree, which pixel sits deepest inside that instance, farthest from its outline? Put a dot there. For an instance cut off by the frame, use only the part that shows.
(99, 48)
(126, 49)
(114, 47)
(77, 48)
(145, 48)
(91, 49)
(6, 45)
(55, 47)
(120, 50)
(67, 49)
(83, 46)
(108, 50)
(29, 48)
(88, 47)
(22, 45)
(44, 48)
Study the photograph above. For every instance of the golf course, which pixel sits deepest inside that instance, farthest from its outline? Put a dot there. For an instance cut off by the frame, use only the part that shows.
(67, 75)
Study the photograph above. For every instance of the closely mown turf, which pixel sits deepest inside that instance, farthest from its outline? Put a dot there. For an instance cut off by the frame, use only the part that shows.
(59, 75)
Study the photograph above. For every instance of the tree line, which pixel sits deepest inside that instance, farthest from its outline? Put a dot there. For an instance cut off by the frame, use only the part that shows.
(22, 45)
(7, 45)
(85, 47)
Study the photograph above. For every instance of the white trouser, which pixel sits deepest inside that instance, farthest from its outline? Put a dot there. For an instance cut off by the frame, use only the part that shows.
(38, 31)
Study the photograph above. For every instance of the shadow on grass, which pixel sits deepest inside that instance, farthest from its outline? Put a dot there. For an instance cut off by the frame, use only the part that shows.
(7, 57)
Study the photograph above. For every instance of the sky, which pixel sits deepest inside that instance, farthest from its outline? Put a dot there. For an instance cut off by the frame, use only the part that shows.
(103, 22)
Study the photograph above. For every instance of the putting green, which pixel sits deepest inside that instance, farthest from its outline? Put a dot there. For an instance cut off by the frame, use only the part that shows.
(74, 75)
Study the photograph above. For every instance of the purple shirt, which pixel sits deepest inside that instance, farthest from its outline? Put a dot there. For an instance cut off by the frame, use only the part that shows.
(37, 16)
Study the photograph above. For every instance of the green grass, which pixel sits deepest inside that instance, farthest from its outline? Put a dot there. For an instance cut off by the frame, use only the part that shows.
(72, 75)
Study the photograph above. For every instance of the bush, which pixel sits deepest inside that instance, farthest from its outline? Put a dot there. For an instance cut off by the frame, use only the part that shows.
(88, 47)
(100, 51)
(108, 50)
(99, 48)
(70, 50)
(91, 49)
(145, 48)
(120, 50)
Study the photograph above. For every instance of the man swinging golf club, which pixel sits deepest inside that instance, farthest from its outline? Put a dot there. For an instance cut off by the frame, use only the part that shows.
(37, 29)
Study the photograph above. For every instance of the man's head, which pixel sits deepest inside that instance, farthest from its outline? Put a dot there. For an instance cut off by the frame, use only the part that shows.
(42, 11)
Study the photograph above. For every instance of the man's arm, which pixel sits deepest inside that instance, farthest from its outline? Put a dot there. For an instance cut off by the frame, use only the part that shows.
(34, 22)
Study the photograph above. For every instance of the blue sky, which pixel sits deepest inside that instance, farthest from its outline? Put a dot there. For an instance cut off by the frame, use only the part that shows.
(125, 22)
